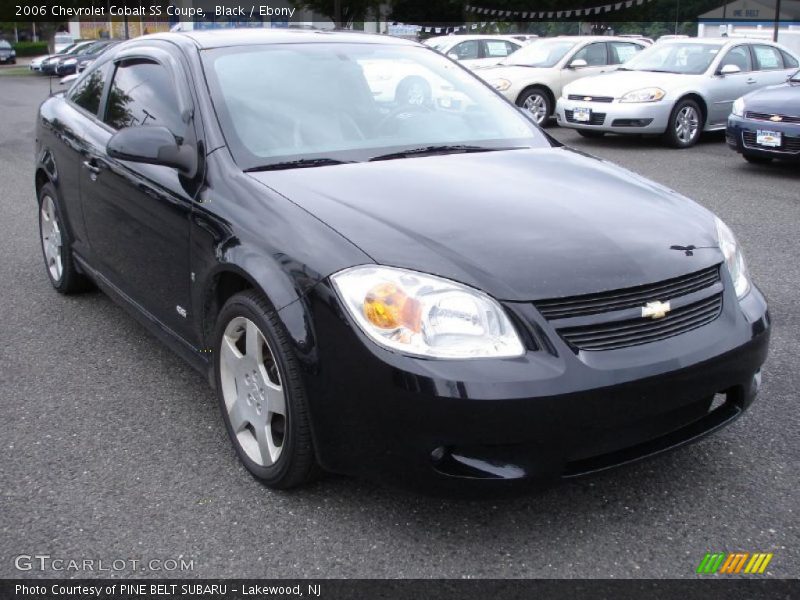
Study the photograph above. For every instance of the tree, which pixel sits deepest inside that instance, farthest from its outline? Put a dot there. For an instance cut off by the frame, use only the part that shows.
(349, 11)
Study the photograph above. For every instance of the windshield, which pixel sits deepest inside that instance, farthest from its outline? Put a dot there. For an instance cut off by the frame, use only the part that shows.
(325, 102)
(540, 53)
(4, 45)
(687, 58)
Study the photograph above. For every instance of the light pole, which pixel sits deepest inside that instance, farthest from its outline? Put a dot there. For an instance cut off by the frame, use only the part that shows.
(777, 20)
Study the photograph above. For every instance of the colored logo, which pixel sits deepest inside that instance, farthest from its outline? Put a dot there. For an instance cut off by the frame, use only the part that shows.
(776, 118)
(734, 563)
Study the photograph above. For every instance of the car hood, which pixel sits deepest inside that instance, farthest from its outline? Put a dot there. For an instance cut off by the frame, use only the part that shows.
(781, 99)
(618, 83)
(520, 224)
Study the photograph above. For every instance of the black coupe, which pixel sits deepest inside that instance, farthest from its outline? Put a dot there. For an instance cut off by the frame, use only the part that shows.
(433, 289)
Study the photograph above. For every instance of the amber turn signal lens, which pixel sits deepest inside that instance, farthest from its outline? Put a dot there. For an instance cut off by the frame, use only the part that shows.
(387, 306)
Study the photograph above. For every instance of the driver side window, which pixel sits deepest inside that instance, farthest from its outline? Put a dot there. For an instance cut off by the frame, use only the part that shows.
(738, 56)
(466, 50)
(142, 93)
(593, 54)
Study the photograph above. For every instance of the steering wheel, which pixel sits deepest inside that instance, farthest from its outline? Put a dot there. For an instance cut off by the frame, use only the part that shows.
(406, 109)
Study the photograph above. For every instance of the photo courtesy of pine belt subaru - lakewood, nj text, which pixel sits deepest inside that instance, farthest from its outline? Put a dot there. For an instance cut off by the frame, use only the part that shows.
(430, 292)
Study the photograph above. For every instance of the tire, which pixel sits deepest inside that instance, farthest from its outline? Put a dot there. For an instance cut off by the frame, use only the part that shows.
(56, 245)
(413, 91)
(588, 133)
(536, 101)
(685, 124)
(757, 160)
(253, 356)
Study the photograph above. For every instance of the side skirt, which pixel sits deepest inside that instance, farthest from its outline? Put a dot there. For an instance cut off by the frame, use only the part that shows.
(172, 340)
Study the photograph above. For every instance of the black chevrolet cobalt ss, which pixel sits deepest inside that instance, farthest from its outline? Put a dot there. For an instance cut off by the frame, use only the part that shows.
(384, 267)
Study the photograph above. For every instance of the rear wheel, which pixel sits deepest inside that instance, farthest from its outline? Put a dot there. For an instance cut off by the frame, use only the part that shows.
(685, 124)
(261, 394)
(55, 240)
(588, 133)
(537, 102)
(757, 160)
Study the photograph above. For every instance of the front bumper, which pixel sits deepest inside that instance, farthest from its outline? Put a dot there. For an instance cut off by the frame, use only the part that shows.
(741, 137)
(616, 117)
(549, 414)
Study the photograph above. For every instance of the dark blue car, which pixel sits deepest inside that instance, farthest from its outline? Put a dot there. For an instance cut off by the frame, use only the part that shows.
(765, 124)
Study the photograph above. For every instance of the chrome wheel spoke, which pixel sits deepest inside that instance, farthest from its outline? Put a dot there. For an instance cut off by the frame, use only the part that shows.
(276, 403)
(239, 416)
(253, 342)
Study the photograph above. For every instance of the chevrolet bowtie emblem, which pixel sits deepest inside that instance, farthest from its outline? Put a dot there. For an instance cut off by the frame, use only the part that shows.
(776, 118)
(655, 310)
(587, 98)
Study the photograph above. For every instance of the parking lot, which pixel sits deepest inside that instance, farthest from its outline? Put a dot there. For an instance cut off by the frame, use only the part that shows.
(113, 448)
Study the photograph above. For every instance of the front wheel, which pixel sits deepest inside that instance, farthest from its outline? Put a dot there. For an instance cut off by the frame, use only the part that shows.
(685, 124)
(261, 394)
(537, 102)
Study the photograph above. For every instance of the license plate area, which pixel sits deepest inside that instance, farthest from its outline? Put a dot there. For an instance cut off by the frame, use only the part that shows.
(768, 139)
(582, 114)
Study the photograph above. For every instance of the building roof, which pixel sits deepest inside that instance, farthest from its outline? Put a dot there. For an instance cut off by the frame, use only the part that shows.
(753, 10)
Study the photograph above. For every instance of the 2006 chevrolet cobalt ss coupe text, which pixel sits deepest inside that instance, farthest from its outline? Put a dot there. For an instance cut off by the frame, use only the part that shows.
(435, 290)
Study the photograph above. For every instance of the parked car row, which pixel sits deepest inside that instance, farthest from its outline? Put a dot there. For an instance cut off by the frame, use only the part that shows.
(72, 59)
(7, 54)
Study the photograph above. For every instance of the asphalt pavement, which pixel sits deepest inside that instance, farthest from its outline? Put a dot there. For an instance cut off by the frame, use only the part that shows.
(112, 448)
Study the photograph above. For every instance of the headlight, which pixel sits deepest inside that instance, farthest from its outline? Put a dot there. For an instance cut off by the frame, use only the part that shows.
(424, 315)
(652, 94)
(734, 259)
(501, 85)
(738, 107)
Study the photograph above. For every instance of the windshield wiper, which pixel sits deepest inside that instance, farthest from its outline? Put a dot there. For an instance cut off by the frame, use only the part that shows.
(432, 150)
(659, 71)
(299, 164)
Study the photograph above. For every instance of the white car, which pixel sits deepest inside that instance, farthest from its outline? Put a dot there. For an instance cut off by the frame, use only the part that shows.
(533, 77)
(475, 50)
(677, 88)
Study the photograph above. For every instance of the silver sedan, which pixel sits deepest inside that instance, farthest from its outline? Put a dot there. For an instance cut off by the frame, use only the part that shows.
(677, 88)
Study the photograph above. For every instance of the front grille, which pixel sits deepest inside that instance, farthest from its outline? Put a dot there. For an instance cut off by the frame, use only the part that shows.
(583, 98)
(768, 117)
(596, 118)
(788, 144)
(599, 321)
(621, 334)
(590, 304)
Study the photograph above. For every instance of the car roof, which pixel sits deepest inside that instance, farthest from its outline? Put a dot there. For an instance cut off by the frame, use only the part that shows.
(220, 38)
(593, 38)
(473, 36)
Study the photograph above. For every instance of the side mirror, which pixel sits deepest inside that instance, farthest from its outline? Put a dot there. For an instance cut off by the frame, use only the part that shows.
(153, 145)
(578, 63)
(729, 70)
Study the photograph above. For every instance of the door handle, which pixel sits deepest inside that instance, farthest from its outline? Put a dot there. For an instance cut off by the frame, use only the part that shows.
(93, 169)
(751, 81)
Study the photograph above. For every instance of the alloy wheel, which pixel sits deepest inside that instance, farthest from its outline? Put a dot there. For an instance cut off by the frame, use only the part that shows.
(536, 104)
(252, 390)
(687, 123)
(51, 238)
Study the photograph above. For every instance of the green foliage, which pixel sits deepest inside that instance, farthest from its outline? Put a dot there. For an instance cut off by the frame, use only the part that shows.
(350, 11)
(30, 48)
